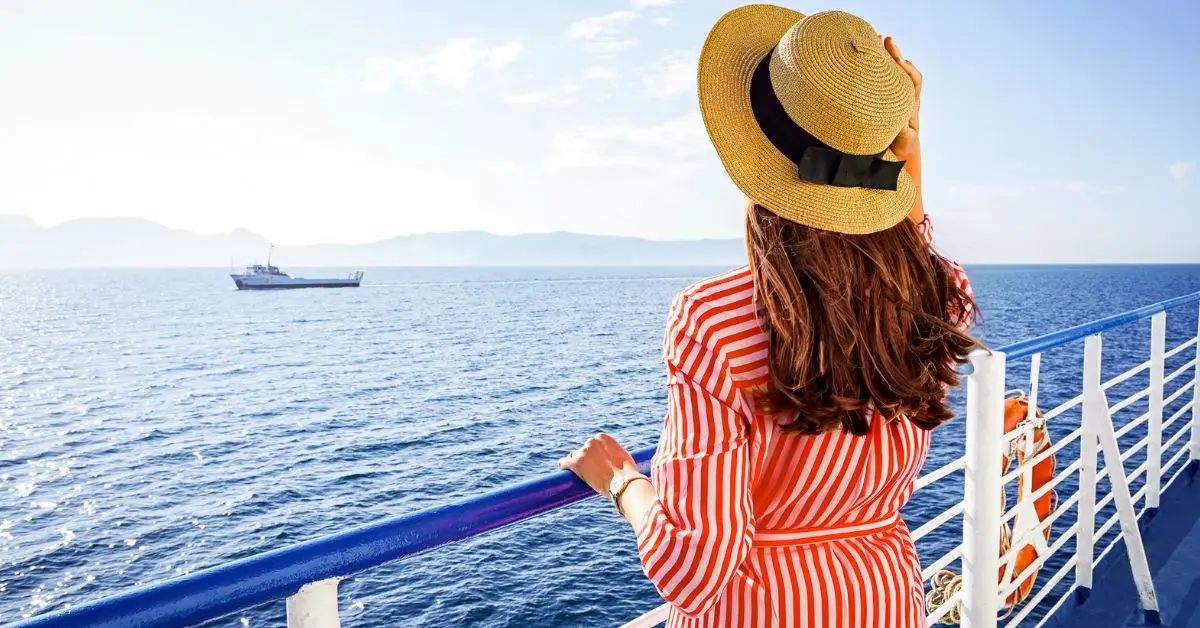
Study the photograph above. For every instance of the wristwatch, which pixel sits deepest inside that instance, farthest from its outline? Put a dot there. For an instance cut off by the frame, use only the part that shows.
(618, 484)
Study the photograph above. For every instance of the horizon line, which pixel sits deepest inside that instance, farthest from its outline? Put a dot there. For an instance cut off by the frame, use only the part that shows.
(565, 266)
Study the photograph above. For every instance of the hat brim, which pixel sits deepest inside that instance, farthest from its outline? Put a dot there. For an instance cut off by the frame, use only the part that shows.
(734, 47)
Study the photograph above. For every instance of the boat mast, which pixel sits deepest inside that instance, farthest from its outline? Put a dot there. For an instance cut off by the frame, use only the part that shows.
(269, 249)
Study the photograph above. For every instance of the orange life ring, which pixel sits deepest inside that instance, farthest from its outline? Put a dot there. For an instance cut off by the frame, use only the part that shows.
(1016, 415)
(945, 584)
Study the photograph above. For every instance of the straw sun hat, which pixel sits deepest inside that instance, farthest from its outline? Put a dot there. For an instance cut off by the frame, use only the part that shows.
(802, 110)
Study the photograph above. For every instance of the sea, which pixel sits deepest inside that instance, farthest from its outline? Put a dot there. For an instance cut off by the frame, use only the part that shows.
(158, 422)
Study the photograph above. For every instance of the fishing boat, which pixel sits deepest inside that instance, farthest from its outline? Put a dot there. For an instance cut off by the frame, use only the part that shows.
(1116, 544)
(269, 277)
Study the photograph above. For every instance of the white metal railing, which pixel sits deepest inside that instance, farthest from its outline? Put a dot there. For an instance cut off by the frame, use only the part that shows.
(981, 598)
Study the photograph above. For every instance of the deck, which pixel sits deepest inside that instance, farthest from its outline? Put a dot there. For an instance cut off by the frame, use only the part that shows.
(1172, 539)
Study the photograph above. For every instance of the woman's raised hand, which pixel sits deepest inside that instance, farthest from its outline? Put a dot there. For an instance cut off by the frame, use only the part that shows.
(907, 145)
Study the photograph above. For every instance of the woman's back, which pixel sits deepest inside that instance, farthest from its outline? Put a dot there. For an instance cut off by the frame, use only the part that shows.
(798, 480)
(819, 541)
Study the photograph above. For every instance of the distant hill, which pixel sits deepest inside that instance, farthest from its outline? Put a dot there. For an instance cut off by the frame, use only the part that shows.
(134, 242)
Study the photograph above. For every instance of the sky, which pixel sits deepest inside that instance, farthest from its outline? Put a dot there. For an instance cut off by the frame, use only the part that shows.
(1051, 131)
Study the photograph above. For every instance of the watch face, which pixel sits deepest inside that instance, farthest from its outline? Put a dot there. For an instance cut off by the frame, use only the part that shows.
(615, 484)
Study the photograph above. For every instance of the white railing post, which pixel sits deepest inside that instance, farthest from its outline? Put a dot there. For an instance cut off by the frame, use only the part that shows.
(656, 617)
(984, 494)
(1196, 402)
(1158, 349)
(315, 605)
(1085, 524)
(1098, 420)
(1035, 369)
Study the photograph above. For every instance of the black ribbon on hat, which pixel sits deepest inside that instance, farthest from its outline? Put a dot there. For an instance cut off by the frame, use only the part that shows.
(816, 161)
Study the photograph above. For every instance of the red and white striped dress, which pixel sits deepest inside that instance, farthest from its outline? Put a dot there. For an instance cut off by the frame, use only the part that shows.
(754, 526)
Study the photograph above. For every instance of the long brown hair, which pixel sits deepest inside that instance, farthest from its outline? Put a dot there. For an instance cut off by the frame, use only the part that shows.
(853, 320)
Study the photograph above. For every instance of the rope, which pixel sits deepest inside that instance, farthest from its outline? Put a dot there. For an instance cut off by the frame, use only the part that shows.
(1006, 540)
(944, 585)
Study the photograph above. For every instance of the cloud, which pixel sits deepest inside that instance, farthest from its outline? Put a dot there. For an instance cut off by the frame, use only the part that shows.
(674, 76)
(1182, 170)
(982, 193)
(501, 166)
(452, 66)
(600, 35)
(600, 26)
(562, 95)
(1086, 187)
(669, 145)
(608, 49)
(603, 73)
(570, 91)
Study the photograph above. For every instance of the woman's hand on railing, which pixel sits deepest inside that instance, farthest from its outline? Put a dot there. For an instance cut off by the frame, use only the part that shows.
(598, 461)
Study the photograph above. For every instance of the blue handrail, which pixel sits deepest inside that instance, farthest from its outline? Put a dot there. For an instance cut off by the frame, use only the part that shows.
(276, 574)
(1079, 332)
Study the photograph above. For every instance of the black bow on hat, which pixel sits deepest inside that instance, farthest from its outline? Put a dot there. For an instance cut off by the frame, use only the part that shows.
(816, 162)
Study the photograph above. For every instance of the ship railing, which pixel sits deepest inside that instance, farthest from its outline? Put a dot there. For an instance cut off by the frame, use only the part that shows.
(1099, 453)
(307, 574)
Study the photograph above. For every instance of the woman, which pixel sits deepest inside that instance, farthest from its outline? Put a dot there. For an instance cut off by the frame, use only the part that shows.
(803, 387)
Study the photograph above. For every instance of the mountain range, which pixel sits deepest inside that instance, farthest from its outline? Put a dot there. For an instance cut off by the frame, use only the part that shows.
(139, 243)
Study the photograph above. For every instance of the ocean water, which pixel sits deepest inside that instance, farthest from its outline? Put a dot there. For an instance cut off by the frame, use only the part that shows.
(153, 423)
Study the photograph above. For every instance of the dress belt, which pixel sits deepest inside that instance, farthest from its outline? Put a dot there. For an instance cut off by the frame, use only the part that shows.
(806, 536)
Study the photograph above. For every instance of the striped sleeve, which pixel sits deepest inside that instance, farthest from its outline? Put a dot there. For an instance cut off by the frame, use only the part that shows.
(699, 529)
(957, 274)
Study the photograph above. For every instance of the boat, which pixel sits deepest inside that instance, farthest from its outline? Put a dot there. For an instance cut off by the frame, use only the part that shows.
(1118, 549)
(269, 277)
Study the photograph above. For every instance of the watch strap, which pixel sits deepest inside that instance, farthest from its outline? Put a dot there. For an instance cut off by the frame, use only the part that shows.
(623, 483)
